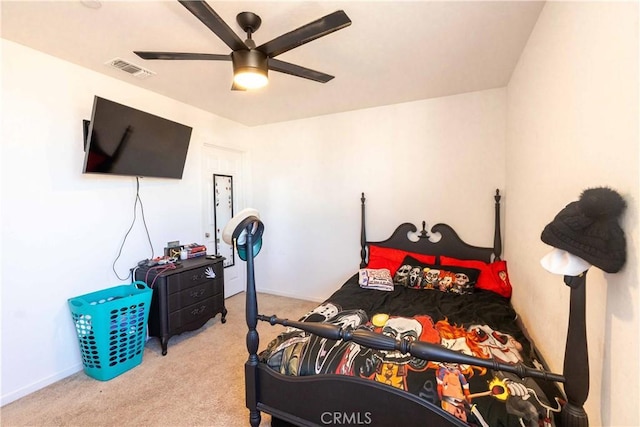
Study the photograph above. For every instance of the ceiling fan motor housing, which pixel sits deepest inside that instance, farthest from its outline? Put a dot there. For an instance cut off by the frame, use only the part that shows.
(249, 60)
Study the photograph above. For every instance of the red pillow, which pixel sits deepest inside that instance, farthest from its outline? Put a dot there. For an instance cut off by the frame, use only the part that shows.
(391, 259)
(493, 277)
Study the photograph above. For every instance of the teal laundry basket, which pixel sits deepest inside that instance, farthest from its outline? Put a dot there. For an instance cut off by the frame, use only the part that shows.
(111, 328)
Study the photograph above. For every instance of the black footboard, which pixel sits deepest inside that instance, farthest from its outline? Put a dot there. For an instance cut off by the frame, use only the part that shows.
(340, 400)
(419, 349)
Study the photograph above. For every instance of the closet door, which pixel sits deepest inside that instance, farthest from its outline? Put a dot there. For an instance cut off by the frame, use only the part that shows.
(221, 163)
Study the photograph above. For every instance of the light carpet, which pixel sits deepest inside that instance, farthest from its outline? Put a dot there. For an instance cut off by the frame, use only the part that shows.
(200, 382)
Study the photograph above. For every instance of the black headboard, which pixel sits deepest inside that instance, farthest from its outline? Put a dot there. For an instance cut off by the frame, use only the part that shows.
(449, 244)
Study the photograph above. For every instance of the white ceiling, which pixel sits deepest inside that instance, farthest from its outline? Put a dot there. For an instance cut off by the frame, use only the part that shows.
(393, 52)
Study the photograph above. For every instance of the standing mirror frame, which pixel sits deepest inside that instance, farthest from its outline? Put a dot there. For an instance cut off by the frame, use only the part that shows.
(223, 212)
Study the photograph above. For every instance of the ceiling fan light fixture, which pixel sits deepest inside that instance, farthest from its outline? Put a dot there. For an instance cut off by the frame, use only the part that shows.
(251, 79)
(250, 70)
(251, 64)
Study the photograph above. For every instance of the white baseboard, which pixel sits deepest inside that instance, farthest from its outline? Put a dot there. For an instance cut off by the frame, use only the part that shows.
(24, 391)
(12, 396)
(305, 297)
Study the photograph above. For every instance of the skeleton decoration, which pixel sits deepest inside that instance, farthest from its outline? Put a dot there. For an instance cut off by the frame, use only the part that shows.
(209, 273)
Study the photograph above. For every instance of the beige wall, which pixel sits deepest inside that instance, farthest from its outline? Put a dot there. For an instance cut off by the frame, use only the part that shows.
(572, 124)
(61, 230)
(438, 160)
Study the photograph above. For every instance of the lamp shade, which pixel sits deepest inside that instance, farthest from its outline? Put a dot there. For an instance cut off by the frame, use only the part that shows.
(250, 70)
(247, 220)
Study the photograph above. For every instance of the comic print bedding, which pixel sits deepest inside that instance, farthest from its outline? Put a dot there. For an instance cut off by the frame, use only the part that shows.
(481, 324)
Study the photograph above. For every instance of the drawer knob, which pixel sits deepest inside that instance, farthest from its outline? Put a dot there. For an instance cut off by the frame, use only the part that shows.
(197, 277)
(197, 293)
(198, 311)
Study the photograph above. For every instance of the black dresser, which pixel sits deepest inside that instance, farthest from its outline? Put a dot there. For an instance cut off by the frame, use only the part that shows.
(184, 298)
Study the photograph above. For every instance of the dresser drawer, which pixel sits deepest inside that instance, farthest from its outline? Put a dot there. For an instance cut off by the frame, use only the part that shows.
(192, 277)
(194, 294)
(202, 310)
(184, 298)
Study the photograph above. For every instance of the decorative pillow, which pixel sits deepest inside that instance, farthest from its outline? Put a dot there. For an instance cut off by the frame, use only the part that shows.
(417, 275)
(375, 279)
(493, 276)
(391, 259)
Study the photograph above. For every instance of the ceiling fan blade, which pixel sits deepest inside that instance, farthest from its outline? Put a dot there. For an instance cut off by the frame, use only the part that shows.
(313, 30)
(183, 56)
(215, 23)
(298, 71)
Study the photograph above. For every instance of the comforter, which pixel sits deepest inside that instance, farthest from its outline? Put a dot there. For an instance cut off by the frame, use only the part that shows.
(481, 324)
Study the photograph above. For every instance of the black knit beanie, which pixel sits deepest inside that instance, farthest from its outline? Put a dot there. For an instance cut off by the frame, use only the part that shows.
(589, 229)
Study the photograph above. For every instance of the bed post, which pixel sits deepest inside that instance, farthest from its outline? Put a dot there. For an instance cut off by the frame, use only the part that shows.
(251, 365)
(363, 235)
(497, 235)
(576, 356)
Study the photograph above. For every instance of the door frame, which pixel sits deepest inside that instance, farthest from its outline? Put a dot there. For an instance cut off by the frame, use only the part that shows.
(239, 201)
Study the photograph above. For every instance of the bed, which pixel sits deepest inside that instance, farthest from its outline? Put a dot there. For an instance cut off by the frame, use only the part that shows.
(422, 334)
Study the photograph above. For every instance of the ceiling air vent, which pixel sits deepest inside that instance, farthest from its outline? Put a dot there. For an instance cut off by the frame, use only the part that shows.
(130, 68)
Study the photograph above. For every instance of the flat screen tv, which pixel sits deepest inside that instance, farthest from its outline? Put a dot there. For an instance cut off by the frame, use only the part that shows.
(121, 140)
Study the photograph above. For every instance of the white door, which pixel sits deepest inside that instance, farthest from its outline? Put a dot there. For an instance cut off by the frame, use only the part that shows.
(227, 162)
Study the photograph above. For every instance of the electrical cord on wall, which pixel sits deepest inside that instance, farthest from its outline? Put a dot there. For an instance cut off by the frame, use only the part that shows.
(135, 209)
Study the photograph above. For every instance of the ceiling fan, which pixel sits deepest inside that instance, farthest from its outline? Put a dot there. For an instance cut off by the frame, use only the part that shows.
(251, 63)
